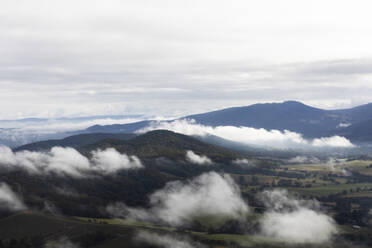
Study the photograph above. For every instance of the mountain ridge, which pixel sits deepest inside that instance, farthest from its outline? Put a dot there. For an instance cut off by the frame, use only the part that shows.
(294, 116)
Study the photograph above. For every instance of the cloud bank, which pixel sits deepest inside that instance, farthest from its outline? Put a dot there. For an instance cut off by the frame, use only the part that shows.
(295, 220)
(179, 202)
(9, 200)
(67, 161)
(334, 141)
(197, 159)
(249, 135)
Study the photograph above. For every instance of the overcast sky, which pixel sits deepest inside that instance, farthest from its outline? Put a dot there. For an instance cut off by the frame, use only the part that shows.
(169, 58)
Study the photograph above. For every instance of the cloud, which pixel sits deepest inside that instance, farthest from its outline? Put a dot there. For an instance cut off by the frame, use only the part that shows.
(62, 242)
(197, 159)
(343, 125)
(338, 165)
(110, 160)
(249, 135)
(295, 220)
(334, 141)
(244, 162)
(67, 161)
(169, 53)
(179, 202)
(304, 159)
(166, 241)
(9, 200)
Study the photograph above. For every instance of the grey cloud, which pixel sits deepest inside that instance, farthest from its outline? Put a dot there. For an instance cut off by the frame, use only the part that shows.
(138, 55)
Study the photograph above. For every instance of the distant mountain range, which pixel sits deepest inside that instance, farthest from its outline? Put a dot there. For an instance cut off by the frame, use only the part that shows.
(353, 123)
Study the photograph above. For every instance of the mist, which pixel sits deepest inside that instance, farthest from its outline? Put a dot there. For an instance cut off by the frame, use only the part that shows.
(251, 136)
(9, 200)
(19, 132)
(62, 242)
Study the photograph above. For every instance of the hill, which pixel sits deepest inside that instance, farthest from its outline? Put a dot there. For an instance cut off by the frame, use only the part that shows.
(163, 143)
(74, 141)
(32, 229)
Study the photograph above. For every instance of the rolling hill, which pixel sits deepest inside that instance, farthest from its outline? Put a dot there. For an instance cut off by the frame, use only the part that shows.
(74, 141)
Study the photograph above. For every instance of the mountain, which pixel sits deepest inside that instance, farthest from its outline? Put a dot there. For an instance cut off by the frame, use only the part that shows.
(74, 141)
(358, 132)
(161, 152)
(294, 116)
(118, 128)
(163, 143)
(19, 132)
(290, 115)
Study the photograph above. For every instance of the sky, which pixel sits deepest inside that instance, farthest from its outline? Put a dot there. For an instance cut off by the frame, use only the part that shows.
(178, 57)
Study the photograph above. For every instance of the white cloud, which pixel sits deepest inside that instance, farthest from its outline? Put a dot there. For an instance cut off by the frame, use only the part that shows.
(304, 159)
(10, 200)
(301, 226)
(197, 159)
(244, 162)
(343, 125)
(250, 136)
(295, 220)
(166, 241)
(110, 160)
(177, 203)
(67, 161)
(334, 141)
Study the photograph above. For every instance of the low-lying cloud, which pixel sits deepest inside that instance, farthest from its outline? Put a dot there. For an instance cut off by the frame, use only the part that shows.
(197, 159)
(179, 202)
(67, 161)
(334, 141)
(295, 220)
(244, 162)
(304, 160)
(62, 242)
(249, 135)
(110, 161)
(9, 200)
(166, 241)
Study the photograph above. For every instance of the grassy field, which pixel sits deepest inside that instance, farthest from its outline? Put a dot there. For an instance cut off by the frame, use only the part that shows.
(331, 189)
